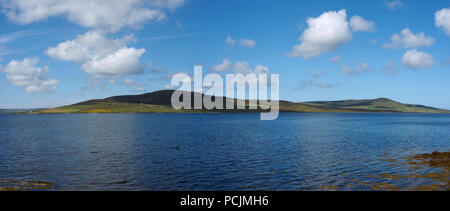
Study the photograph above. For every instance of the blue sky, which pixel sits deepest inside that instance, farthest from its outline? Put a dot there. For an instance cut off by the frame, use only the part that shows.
(71, 51)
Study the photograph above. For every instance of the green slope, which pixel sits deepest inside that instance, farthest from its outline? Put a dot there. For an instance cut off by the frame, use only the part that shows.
(380, 104)
(160, 102)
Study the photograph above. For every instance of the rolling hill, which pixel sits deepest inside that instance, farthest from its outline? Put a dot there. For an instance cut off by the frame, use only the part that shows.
(380, 104)
(160, 102)
(14, 111)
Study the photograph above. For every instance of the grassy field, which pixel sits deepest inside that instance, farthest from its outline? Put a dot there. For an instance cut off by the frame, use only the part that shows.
(159, 102)
(377, 105)
(108, 107)
(112, 108)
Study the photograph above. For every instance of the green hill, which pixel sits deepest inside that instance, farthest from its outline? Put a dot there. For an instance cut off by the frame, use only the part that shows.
(160, 102)
(380, 104)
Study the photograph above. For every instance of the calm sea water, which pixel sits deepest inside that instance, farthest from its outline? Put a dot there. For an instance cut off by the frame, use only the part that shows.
(215, 151)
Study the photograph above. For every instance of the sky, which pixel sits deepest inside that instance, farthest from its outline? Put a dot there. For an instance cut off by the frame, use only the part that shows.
(55, 53)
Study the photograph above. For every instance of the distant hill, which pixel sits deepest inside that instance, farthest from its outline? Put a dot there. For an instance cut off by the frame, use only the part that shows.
(160, 102)
(380, 104)
(13, 111)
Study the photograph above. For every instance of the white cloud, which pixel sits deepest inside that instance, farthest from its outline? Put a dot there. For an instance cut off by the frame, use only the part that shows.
(122, 62)
(100, 56)
(393, 5)
(335, 59)
(442, 18)
(243, 67)
(360, 24)
(27, 75)
(230, 41)
(242, 42)
(110, 15)
(407, 39)
(417, 60)
(240, 67)
(247, 43)
(226, 65)
(317, 74)
(359, 68)
(324, 34)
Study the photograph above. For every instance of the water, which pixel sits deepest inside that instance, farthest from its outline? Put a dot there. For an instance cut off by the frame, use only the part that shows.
(215, 151)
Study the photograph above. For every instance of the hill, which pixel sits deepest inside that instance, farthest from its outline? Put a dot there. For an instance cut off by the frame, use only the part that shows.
(14, 111)
(380, 104)
(160, 102)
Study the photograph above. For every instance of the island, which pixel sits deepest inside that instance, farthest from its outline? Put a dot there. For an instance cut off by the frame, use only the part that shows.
(160, 102)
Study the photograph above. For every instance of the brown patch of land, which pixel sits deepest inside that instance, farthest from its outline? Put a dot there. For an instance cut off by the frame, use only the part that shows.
(439, 162)
(435, 160)
(18, 185)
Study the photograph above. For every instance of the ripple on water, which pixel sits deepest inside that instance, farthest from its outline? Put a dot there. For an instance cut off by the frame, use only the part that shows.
(222, 152)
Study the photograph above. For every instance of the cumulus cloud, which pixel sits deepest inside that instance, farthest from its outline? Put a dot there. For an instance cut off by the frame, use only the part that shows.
(224, 66)
(359, 68)
(100, 56)
(110, 15)
(27, 75)
(360, 24)
(241, 67)
(393, 5)
(407, 39)
(247, 43)
(122, 62)
(242, 42)
(324, 34)
(230, 41)
(244, 68)
(442, 19)
(417, 60)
